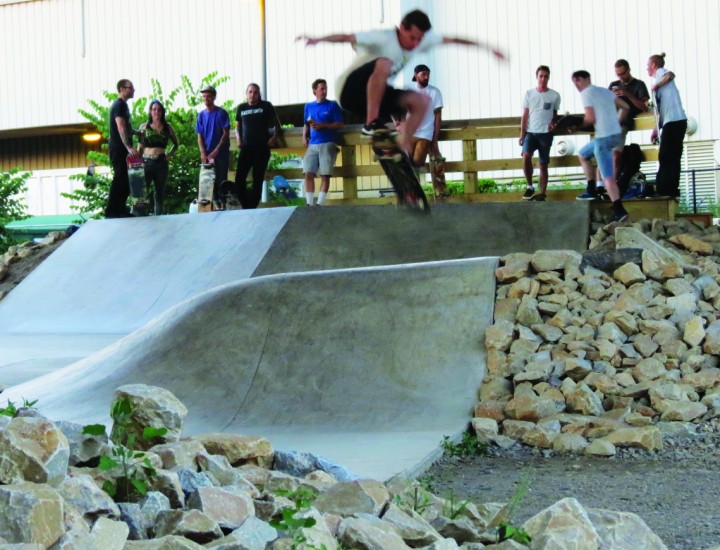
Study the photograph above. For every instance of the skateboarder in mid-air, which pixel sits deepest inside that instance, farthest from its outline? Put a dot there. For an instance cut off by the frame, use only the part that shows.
(364, 90)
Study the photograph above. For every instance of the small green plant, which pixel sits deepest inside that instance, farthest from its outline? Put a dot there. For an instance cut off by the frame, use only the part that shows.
(12, 202)
(137, 470)
(503, 521)
(453, 507)
(468, 446)
(415, 498)
(12, 411)
(293, 526)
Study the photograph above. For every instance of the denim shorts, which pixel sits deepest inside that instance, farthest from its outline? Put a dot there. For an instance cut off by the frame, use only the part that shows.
(320, 158)
(602, 150)
(540, 143)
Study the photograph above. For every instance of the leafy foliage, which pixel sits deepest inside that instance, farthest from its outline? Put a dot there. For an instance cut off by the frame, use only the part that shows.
(134, 467)
(12, 411)
(290, 524)
(506, 529)
(181, 111)
(468, 446)
(13, 184)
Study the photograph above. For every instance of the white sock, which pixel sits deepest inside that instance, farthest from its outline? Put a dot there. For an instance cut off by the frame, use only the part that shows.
(321, 197)
(309, 197)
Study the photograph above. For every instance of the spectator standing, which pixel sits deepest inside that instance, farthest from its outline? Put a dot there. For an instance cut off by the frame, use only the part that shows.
(120, 144)
(539, 115)
(258, 129)
(673, 123)
(323, 118)
(154, 137)
(213, 130)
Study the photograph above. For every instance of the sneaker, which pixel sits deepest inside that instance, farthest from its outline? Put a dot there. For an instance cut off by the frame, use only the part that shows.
(369, 130)
(619, 216)
(527, 195)
(587, 196)
(602, 194)
(538, 197)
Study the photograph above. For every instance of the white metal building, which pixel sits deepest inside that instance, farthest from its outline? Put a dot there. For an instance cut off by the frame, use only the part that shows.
(57, 54)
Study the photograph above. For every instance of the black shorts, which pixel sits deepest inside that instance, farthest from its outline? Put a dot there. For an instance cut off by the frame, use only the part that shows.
(353, 97)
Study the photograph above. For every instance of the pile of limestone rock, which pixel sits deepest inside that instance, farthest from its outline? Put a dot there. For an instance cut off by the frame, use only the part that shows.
(588, 360)
(18, 253)
(225, 491)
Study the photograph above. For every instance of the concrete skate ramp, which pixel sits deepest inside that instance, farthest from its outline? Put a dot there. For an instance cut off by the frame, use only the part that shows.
(359, 236)
(367, 367)
(113, 276)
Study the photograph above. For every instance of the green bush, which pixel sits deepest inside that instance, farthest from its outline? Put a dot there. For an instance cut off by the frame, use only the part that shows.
(181, 111)
(13, 184)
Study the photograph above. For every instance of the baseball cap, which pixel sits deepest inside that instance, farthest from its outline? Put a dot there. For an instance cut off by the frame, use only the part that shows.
(420, 68)
(208, 89)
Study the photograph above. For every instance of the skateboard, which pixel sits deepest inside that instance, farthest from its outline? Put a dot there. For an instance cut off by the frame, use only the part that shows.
(138, 193)
(399, 169)
(229, 193)
(656, 113)
(283, 188)
(567, 124)
(437, 174)
(205, 187)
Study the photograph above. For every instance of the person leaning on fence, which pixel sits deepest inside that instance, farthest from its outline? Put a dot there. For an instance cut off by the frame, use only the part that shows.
(323, 118)
(673, 123)
(539, 115)
(257, 130)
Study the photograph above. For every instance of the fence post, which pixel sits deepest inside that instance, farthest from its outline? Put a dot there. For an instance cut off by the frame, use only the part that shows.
(469, 152)
(349, 158)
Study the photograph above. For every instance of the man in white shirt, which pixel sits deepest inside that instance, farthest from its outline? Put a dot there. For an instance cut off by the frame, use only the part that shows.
(540, 108)
(426, 136)
(364, 89)
(601, 109)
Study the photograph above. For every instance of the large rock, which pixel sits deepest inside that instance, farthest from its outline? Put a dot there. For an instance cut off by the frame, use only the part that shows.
(192, 524)
(646, 438)
(239, 449)
(712, 338)
(81, 491)
(169, 542)
(683, 411)
(179, 454)
(531, 408)
(361, 533)
(108, 534)
(694, 333)
(411, 526)
(527, 313)
(555, 260)
(33, 449)
(564, 521)
(693, 244)
(499, 336)
(254, 534)
(151, 407)
(629, 274)
(348, 498)
(584, 401)
(84, 448)
(623, 531)
(31, 513)
(229, 509)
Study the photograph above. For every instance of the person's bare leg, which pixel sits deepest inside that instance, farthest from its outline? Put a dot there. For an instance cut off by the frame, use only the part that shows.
(324, 184)
(611, 188)
(543, 178)
(416, 106)
(528, 169)
(309, 187)
(588, 168)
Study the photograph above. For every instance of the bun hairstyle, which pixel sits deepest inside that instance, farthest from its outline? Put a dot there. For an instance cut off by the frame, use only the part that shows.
(658, 60)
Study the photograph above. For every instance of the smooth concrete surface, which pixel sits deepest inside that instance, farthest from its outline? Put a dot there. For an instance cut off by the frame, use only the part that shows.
(367, 367)
(340, 237)
(114, 276)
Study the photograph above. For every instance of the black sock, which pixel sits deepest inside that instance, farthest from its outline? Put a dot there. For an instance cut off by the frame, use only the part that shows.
(591, 187)
(617, 206)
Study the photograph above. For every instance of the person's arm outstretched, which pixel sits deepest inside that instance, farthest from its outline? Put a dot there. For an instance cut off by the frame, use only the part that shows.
(337, 38)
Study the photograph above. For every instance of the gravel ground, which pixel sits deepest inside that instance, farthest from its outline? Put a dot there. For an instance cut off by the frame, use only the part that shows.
(676, 491)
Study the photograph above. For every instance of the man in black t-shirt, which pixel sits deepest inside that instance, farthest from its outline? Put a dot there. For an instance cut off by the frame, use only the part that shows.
(120, 145)
(635, 93)
(257, 130)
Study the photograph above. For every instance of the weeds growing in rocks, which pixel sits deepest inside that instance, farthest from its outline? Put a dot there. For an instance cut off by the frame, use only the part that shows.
(12, 411)
(468, 446)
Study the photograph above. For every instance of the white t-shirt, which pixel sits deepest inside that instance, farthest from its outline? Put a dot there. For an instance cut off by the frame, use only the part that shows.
(384, 43)
(541, 107)
(668, 99)
(602, 101)
(427, 126)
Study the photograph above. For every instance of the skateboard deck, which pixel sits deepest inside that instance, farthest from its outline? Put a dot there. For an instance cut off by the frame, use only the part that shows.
(568, 124)
(282, 186)
(228, 191)
(400, 171)
(205, 187)
(437, 174)
(138, 192)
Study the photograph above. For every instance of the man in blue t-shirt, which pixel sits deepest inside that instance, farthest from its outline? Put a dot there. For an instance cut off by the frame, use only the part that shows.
(213, 130)
(322, 118)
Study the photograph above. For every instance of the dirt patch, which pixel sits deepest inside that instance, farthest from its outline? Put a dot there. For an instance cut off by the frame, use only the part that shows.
(22, 267)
